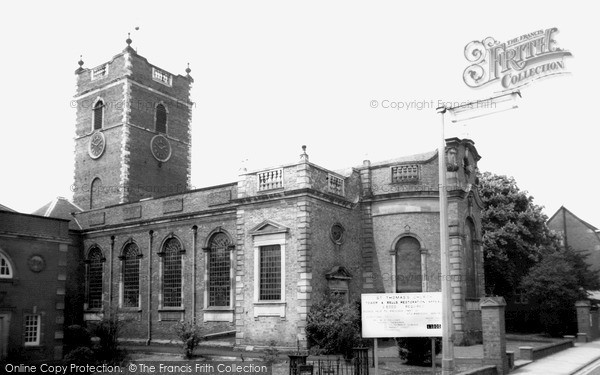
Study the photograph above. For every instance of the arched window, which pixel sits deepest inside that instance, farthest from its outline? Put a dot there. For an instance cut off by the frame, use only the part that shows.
(470, 270)
(161, 119)
(171, 273)
(94, 278)
(98, 114)
(95, 193)
(219, 270)
(131, 275)
(6, 271)
(408, 265)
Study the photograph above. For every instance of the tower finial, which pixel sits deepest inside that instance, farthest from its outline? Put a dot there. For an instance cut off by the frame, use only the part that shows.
(80, 63)
(188, 70)
(303, 155)
(128, 41)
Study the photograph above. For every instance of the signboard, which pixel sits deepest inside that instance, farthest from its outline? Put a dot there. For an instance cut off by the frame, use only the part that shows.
(401, 315)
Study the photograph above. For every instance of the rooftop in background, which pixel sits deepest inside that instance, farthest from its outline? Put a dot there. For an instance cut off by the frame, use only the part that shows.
(60, 208)
(4, 208)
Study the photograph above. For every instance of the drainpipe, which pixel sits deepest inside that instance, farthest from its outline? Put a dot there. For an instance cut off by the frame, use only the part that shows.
(194, 233)
(110, 274)
(150, 238)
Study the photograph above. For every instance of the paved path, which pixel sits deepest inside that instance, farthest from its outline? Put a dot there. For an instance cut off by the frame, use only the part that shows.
(565, 362)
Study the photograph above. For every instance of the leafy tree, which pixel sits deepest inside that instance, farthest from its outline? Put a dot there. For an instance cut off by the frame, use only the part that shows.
(555, 284)
(334, 326)
(515, 235)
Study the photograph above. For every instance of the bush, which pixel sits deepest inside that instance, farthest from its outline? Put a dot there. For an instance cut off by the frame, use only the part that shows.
(108, 330)
(191, 335)
(334, 326)
(81, 356)
(417, 350)
(271, 353)
(77, 336)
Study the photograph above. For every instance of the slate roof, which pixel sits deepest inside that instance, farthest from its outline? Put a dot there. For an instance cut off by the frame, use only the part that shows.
(60, 208)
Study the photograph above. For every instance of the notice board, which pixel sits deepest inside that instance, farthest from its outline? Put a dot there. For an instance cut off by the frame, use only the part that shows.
(401, 315)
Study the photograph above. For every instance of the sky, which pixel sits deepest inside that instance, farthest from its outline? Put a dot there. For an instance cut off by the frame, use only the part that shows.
(271, 76)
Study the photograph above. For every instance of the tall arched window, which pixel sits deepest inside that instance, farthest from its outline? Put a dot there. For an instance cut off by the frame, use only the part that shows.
(98, 114)
(131, 275)
(161, 119)
(219, 270)
(470, 269)
(171, 273)
(6, 271)
(95, 193)
(408, 265)
(94, 288)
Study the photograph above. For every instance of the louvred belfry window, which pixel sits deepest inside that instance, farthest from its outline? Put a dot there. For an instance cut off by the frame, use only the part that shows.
(161, 119)
(98, 114)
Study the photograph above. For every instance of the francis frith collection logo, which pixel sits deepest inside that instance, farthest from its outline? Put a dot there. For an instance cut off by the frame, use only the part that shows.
(516, 62)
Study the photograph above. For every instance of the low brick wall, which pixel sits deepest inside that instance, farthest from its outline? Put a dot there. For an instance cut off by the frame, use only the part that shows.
(486, 370)
(532, 354)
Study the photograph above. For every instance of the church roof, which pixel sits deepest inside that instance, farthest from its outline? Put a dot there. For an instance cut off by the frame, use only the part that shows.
(60, 208)
(4, 208)
(426, 156)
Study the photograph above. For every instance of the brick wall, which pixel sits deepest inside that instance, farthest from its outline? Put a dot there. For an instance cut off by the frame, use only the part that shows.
(34, 291)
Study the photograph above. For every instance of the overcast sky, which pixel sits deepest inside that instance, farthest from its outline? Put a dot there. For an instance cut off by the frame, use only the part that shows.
(272, 76)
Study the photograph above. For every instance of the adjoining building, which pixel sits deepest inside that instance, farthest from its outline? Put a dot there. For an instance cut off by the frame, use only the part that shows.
(250, 256)
(36, 255)
(577, 234)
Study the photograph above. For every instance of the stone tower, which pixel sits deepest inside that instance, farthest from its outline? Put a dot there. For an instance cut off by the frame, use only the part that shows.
(133, 131)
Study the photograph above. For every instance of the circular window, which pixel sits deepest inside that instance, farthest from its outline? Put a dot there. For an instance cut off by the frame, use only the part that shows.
(337, 233)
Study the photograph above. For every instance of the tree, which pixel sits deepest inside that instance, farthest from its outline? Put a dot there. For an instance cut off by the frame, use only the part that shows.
(515, 235)
(555, 284)
(333, 326)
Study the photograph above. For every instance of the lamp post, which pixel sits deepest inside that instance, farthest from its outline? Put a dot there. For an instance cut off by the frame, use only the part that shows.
(472, 110)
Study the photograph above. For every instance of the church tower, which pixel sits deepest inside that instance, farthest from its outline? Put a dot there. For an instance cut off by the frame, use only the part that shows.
(133, 131)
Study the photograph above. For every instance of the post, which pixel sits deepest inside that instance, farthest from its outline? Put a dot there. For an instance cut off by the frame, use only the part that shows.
(376, 360)
(447, 344)
(433, 355)
(494, 336)
(584, 329)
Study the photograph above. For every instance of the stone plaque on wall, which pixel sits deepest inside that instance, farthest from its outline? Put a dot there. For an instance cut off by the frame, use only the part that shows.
(173, 205)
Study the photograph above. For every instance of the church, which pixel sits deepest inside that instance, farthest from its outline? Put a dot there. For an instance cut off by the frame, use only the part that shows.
(246, 258)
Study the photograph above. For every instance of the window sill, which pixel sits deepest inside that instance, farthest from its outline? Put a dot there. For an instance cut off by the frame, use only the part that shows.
(268, 308)
(130, 309)
(167, 309)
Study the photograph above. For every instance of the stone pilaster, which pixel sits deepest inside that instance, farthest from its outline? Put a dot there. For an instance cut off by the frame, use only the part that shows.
(304, 287)
(494, 335)
(240, 264)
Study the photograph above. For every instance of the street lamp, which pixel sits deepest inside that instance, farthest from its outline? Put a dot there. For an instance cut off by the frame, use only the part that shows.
(459, 113)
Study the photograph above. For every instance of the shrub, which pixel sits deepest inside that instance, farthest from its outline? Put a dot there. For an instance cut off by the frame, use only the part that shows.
(417, 350)
(271, 353)
(191, 335)
(81, 356)
(334, 326)
(77, 336)
(108, 330)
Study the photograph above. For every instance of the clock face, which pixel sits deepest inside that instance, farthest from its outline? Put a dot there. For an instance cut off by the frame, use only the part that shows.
(96, 145)
(160, 147)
